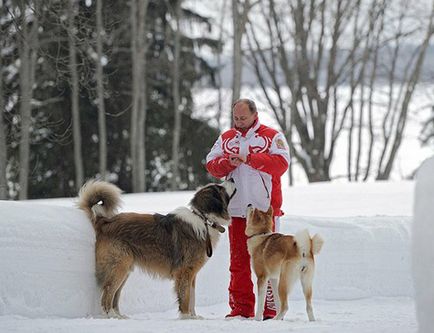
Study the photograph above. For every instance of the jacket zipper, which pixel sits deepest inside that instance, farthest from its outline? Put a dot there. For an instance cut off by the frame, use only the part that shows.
(263, 183)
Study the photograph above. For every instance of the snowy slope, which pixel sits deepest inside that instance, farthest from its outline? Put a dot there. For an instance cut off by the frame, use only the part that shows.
(363, 278)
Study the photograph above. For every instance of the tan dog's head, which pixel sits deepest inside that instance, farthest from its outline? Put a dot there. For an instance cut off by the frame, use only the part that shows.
(259, 221)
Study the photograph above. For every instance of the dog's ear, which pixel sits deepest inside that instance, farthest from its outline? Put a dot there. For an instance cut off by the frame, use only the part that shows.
(211, 199)
(270, 211)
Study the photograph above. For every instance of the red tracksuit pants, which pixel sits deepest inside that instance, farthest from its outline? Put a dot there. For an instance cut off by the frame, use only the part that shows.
(241, 296)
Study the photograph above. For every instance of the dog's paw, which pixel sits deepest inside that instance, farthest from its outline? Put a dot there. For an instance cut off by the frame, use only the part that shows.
(115, 315)
(189, 316)
(122, 316)
(258, 317)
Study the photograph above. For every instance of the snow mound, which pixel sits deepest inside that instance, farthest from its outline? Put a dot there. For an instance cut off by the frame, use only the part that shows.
(422, 246)
(47, 261)
(47, 256)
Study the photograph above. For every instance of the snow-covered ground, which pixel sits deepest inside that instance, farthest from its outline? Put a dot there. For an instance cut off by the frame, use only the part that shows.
(363, 280)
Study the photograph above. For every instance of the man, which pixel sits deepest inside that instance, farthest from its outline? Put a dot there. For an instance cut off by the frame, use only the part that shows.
(255, 156)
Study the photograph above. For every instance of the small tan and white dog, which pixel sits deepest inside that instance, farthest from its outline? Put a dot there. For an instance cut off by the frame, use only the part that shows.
(281, 258)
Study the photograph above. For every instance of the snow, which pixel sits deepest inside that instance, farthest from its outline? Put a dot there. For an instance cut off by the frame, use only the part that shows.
(422, 246)
(363, 280)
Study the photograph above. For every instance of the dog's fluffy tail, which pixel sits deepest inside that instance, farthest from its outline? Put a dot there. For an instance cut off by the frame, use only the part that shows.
(99, 199)
(306, 244)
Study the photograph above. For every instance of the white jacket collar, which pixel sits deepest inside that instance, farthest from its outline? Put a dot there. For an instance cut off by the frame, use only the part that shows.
(251, 130)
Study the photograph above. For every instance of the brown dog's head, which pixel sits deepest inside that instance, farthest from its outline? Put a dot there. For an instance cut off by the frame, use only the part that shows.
(259, 221)
(213, 199)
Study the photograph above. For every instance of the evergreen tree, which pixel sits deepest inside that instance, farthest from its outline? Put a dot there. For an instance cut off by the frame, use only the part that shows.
(51, 162)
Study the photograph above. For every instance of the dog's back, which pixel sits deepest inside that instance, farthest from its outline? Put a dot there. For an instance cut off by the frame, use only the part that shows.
(159, 244)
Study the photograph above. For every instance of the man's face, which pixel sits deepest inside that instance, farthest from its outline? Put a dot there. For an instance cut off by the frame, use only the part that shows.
(242, 116)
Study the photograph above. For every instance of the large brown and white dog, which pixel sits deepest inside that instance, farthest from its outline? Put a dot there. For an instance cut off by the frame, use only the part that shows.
(283, 258)
(173, 246)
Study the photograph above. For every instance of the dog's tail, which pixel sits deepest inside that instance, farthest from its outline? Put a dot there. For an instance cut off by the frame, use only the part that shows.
(99, 199)
(306, 244)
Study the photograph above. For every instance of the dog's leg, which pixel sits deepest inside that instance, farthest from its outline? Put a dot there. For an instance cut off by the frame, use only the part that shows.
(193, 297)
(287, 278)
(260, 299)
(117, 297)
(306, 278)
(183, 283)
(112, 282)
(275, 288)
(283, 298)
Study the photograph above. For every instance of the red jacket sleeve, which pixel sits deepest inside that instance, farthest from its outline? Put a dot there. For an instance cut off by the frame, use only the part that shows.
(275, 165)
(219, 167)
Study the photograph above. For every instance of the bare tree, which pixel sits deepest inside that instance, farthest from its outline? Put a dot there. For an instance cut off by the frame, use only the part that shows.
(319, 72)
(143, 46)
(360, 63)
(219, 64)
(28, 26)
(100, 92)
(3, 143)
(427, 132)
(176, 97)
(303, 71)
(240, 12)
(394, 122)
(75, 88)
(139, 102)
(371, 86)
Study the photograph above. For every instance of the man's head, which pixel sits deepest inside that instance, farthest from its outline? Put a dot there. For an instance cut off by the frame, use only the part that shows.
(244, 113)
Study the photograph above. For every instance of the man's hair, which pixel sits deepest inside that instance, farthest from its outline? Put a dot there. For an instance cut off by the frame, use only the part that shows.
(248, 102)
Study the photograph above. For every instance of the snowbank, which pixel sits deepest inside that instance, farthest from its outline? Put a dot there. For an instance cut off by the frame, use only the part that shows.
(46, 256)
(47, 262)
(422, 246)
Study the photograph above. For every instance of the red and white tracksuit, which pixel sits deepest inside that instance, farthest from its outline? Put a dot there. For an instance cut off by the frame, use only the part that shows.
(258, 183)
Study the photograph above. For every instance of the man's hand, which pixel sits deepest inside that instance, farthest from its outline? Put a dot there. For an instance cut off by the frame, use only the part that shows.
(237, 159)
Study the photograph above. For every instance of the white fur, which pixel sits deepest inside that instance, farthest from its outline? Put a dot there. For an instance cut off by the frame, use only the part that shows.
(303, 242)
(219, 220)
(317, 243)
(229, 187)
(99, 210)
(195, 221)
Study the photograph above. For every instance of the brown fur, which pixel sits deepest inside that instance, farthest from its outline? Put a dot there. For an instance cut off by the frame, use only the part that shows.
(283, 258)
(170, 246)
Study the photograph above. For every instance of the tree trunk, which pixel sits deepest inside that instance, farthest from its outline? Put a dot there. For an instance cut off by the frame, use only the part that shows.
(176, 101)
(239, 20)
(100, 93)
(219, 66)
(135, 98)
(372, 79)
(76, 126)
(28, 54)
(139, 103)
(3, 144)
(141, 130)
